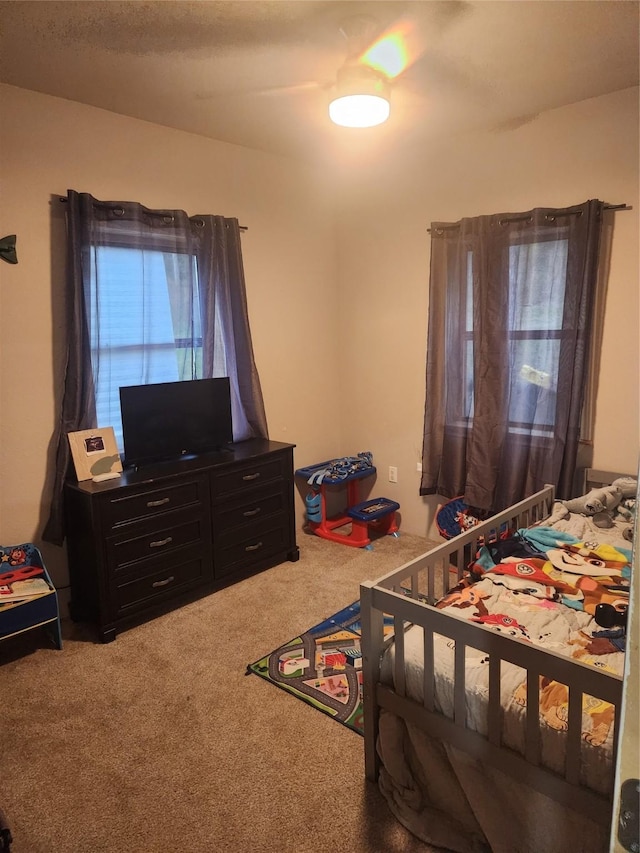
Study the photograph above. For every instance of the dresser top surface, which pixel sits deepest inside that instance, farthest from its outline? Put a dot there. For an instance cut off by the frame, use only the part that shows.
(241, 451)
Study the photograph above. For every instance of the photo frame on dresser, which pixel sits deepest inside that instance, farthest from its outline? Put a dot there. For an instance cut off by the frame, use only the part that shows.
(94, 452)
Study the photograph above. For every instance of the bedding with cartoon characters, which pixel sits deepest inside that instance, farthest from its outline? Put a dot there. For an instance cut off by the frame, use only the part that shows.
(571, 597)
(563, 593)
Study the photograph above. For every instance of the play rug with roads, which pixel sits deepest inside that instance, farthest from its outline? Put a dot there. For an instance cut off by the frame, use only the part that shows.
(323, 666)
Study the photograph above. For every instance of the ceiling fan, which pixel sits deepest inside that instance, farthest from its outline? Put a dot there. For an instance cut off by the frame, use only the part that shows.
(374, 59)
(362, 90)
(378, 58)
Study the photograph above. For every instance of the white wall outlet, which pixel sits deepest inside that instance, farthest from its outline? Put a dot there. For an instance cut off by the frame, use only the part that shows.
(393, 474)
(419, 467)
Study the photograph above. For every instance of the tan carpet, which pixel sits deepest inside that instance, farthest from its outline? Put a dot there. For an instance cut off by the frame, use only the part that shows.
(160, 742)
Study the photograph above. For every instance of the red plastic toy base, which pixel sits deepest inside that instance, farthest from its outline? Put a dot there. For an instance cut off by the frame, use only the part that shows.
(358, 537)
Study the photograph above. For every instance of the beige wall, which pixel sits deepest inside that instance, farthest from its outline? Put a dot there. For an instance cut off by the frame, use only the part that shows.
(337, 281)
(48, 145)
(565, 156)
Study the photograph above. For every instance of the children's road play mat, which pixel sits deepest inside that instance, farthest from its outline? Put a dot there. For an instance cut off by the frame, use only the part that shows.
(323, 666)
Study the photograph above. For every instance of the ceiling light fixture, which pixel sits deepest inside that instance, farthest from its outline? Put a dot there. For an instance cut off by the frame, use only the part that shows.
(361, 97)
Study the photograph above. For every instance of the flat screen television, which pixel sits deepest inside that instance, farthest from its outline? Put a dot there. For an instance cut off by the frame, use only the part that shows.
(167, 420)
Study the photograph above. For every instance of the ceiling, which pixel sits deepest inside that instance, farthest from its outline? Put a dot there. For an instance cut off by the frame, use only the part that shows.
(258, 74)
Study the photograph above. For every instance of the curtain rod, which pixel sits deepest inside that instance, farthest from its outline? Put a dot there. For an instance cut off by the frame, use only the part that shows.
(64, 200)
(517, 218)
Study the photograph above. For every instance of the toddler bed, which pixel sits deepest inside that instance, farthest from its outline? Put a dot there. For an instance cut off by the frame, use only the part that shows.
(491, 717)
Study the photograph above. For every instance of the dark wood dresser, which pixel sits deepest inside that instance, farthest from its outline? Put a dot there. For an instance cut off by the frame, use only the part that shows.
(166, 533)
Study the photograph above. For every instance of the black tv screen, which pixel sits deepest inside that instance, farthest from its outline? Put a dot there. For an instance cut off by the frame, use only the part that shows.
(167, 420)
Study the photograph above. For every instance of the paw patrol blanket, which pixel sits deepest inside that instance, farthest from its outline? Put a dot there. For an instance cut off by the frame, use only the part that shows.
(546, 589)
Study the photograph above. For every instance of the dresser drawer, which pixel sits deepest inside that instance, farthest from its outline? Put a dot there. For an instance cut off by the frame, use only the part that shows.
(246, 508)
(240, 548)
(249, 475)
(178, 531)
(163, 583)
(153, 501)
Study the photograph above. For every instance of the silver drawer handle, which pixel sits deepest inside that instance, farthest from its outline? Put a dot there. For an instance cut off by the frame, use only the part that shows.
(158, 503)
(164, 582)
(251, 512)
(253, 547)
(251, 476)
(160, 542)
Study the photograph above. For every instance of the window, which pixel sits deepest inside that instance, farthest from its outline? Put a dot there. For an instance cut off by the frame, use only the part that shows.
(533, 311)
(511, 304)
(145, 323)
(537, 279)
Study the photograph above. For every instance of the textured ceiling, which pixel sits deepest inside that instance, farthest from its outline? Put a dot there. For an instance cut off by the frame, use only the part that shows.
(258, 74)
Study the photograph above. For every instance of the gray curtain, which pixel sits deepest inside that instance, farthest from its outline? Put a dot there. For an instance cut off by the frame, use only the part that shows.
(175, 308)
(510, 312)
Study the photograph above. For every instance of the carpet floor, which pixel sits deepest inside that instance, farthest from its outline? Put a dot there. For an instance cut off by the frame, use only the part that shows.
(159, 742)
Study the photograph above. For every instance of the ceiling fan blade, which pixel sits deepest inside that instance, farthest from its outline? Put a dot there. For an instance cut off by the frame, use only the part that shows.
(267, 92)
(435, 70)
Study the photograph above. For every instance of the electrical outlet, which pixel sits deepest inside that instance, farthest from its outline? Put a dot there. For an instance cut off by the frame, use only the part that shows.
(393, 474)
(419, 467)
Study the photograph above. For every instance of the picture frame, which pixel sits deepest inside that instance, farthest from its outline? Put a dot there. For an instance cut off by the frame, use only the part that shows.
(94, 452)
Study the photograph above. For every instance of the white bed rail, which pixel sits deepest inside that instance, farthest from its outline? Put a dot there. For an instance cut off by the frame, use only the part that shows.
(401, 594)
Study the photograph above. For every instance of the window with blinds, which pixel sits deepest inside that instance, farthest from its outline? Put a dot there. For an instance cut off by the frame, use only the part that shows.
(145, 323)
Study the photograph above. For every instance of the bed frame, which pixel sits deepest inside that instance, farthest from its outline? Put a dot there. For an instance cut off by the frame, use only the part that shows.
(402, 593)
